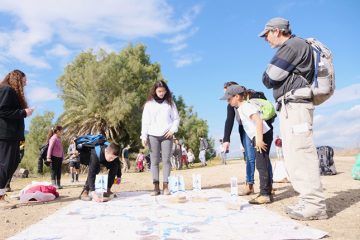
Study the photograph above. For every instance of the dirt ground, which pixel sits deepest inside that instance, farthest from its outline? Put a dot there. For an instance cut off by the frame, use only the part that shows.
(342, 193)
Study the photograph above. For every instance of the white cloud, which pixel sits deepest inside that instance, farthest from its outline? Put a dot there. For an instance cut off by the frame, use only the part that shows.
(346, 94)
(341, 128)
(83, 24)
(41, 94)
(186, 60)
(59, 50)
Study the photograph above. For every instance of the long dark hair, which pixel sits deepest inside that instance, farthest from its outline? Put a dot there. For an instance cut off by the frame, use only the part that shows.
(53, 131)
(14, 80)
(168, 95)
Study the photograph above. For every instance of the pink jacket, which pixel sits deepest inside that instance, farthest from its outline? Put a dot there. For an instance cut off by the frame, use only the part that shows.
(55, 147)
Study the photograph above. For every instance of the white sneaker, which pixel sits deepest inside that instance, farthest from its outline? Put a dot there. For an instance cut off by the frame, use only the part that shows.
(305, 214)
(300, 205)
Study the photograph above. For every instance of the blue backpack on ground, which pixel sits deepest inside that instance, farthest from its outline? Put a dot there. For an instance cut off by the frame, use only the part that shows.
(85, 143)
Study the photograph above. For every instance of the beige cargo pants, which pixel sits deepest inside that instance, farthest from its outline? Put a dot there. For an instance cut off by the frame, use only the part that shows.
(301, 161)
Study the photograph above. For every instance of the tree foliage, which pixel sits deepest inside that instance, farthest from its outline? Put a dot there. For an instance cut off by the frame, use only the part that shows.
(191, 127)
(38, 130)
(104, 93)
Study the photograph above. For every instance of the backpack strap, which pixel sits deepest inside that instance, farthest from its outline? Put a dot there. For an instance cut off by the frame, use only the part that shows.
(317, 61)
(98, 149)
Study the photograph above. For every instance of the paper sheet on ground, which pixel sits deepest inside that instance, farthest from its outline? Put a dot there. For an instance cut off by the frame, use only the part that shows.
(137, 215)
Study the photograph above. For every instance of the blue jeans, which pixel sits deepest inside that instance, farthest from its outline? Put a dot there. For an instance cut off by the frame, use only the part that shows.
(250, 157)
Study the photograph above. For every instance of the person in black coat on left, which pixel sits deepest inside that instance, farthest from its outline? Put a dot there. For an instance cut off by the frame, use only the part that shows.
(13, 110)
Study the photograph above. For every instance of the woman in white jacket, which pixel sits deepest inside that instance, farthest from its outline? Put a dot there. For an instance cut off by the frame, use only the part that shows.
(160, 120)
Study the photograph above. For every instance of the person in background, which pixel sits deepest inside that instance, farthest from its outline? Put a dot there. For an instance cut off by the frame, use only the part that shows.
(125, 159)
(184, 160)
(160, 120)
(190, 156)
(55, 155)
(222, 152)
(290, 74)
(278, 146)
(13, 110)
(140, 162)
(74, 161)
(176, 149)
(202, 151)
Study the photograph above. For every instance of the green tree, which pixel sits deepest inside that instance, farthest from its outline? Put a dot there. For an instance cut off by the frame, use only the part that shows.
(104, 93)
(38, 130)
(192, 127)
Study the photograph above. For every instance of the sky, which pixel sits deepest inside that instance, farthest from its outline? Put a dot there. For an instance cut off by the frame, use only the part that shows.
(199, 45)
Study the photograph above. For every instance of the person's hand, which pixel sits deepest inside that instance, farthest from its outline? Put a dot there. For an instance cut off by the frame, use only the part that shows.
(48, 159)
(117, 180)
(29, 111)
(144, 142)
(226, 146)
(95, 197)
(260, 146)
(169, 134)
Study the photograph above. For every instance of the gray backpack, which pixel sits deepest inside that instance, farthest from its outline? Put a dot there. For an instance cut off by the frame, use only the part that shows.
(323, 85)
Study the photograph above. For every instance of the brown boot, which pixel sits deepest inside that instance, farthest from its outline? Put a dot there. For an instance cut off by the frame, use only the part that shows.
(156, 189)
(248, 189)
(166, 188)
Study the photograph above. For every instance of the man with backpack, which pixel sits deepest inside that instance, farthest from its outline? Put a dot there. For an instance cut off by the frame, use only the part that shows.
(108, 156)
(289, 74)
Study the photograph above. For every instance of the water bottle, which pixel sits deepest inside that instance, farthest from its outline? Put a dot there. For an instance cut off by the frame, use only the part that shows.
(196, 182)
(322, 70)
(234, 187)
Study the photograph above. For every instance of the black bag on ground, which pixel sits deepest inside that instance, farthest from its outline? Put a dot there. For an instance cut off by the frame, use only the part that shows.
(326, 160)
(43, 153)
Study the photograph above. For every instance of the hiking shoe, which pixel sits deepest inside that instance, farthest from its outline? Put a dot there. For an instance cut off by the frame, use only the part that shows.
(85, 196)
(303, 215)
(156, 191)
(261, 199)
(108, 194)
(5, 203)
(248, 189)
